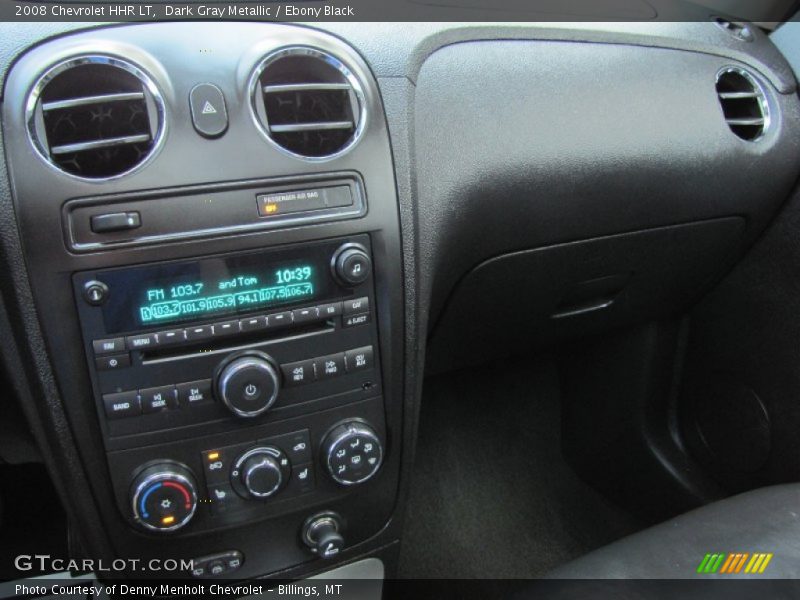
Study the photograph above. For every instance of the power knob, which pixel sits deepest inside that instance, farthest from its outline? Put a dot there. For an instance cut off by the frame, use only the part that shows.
(247, 383)
(351, 264)
(164, 497)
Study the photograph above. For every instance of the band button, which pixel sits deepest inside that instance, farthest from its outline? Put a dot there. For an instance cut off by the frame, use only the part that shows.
(123, 404)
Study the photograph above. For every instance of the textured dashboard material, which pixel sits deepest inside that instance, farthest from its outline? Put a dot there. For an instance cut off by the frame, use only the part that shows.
(528, 144)
(538, 134)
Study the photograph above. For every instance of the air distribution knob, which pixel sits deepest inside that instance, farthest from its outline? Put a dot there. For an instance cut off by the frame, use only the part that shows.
(260, 472)
(352, 453)
(247, 383)
(164, 497)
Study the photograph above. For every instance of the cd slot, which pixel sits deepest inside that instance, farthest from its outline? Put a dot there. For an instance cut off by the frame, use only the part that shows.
(234, 342)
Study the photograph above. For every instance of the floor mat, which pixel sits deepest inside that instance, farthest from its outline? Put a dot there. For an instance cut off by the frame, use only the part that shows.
(491, 495)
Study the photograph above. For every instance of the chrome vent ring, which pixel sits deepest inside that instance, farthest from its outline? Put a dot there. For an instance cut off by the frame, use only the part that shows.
(95, 117)
(308, 103)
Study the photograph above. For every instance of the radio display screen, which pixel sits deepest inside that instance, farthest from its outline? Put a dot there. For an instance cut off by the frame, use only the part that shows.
(157, 296)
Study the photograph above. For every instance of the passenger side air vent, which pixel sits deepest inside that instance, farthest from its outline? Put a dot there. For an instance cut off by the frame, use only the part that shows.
(743, 103)
(308, 103)
(95, 117)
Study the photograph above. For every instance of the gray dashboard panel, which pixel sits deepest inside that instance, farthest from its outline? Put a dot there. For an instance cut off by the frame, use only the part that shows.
(587, 139)
(394, 50)
(534, 143)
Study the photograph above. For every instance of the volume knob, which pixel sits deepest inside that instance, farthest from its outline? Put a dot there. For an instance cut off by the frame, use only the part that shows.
(248, 383)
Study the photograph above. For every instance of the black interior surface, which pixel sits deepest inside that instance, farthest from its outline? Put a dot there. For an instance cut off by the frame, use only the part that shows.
(490, 480)
(555, 289)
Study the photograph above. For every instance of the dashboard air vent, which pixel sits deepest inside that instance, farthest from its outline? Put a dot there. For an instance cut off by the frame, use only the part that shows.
(743, 103)
(95, 117)
(308, 103)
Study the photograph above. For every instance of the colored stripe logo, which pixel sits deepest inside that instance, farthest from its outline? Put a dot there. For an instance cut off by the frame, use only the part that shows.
(734, 562)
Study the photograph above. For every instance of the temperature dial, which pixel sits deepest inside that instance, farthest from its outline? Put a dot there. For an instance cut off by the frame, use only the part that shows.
(352, 453)
(164, 497)
(260, 473)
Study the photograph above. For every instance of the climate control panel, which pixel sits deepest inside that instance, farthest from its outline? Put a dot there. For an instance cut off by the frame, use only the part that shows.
(256, 477)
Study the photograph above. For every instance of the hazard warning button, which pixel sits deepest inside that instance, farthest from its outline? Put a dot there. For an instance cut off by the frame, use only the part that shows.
(209, 115)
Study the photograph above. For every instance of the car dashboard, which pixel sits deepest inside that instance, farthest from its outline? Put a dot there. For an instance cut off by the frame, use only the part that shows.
(232, 251)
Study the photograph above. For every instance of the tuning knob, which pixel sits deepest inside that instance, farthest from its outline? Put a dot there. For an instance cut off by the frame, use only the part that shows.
(247, 383)
(352, 453)
(351, 264)
(164, 497)
(260, 473)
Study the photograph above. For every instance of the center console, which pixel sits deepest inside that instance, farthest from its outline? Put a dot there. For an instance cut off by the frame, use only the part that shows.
(219, 351)
(216, 270)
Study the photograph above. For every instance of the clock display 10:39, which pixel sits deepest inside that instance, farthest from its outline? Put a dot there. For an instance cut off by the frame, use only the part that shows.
(293, 275)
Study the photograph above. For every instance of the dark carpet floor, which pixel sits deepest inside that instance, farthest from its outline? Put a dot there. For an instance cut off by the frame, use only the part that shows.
(492, 496)
(31, 518)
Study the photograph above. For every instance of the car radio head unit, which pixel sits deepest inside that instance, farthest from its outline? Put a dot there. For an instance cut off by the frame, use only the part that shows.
(164, 340)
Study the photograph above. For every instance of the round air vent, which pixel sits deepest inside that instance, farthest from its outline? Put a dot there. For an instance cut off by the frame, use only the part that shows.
(95, 117)
(743, 102)
(308, 103)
